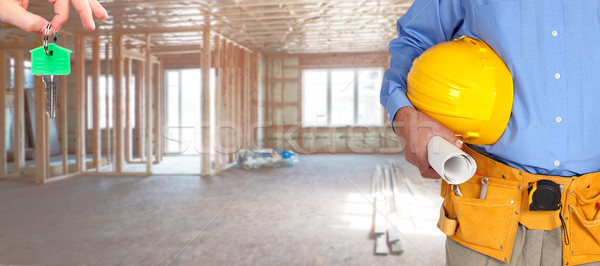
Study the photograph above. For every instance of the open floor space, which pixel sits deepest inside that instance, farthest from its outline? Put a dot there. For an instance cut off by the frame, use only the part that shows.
(317, 212)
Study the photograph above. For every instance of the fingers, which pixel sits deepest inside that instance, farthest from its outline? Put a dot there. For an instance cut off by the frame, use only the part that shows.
(430, 174)
(450, 137)
(61, 11)
(97, 9)
(85, 13)
(85, 9)
(24, 3)
(16, 15)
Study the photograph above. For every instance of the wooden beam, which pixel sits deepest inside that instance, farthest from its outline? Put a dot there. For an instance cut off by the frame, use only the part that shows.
(127, 69)
(108, 127)
(148, 113)
(254, 101)
(3, 131)
(118, 86)
(163, 110)
(96, 138)
(178, 49)
(156, 112)
(139, 110)
(17, 46)
(224, 104)
(80, 103)
(41, 149)
(205, 98)
(19, 119)
(133, 54)
(231, 91)
(218, 101)
(244, 113)
(64, 106)
(237, 101)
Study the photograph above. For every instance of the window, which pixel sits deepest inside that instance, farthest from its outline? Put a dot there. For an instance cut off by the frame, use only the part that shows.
(102, 101)
(341, 97)
(28, 83)
(184, 110)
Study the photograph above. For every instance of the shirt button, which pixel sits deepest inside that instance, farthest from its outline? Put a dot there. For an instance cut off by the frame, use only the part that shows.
(554, 33)
(557, 76)
(558, 119)
(388, 115)
(556, 163)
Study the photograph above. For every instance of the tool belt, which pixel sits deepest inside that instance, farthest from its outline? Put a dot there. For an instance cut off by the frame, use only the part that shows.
(487, 222)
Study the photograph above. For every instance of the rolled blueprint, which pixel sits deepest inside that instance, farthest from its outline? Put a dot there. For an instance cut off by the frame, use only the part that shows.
(451, 163)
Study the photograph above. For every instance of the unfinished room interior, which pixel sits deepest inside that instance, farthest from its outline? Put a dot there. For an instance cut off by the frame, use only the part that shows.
(211, 132)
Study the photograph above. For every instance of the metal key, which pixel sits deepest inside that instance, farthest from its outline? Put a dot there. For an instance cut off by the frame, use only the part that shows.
(50, 86)
(50, 61)
(484, 184)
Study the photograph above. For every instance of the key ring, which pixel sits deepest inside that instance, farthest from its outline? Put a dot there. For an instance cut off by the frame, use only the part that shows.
(46, 34)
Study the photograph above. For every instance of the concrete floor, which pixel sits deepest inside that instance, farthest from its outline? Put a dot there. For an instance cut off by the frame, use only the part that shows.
(315, 213)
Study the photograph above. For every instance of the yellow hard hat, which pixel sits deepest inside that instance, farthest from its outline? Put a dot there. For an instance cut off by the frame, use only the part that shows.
(465, 86)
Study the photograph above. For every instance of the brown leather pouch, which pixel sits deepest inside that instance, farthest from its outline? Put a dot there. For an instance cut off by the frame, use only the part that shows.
(485, 225)
(584, 225)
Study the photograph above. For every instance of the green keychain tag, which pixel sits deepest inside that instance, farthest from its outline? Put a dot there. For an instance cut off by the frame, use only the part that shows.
(58, 63)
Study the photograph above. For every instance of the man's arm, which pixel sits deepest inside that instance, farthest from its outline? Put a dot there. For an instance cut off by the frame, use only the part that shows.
(427, 22)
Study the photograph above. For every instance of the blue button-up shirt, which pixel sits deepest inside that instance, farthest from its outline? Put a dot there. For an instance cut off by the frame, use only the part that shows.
(552, 49)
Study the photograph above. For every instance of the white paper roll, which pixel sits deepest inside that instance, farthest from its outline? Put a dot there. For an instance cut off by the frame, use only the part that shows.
(451, 163)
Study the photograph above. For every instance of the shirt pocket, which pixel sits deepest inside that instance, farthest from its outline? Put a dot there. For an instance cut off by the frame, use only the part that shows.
(498, 23)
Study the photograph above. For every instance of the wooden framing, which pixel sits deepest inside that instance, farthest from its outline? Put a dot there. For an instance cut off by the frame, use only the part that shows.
(148, 113)
(118, 96)
(63, 105)
(96, 137)
(218, 101)
(163, 111)
(108, 128)
(254, 104)
(127, 70)
(223, 141)
(80, 103)
(272, 28)
(156, 112)
(139, 110)
(232, 103)
(41, 132)
(243, 98)
(19, 114)
(3, 113)
(205, 99)
(266, 26)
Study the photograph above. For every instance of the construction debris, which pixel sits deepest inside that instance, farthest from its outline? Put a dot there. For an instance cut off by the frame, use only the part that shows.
(385, 211)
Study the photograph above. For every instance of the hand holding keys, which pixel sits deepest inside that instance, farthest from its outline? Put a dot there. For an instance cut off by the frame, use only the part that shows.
(50, 61)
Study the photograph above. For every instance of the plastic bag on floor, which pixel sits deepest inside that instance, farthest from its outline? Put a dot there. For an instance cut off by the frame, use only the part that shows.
(266, 158)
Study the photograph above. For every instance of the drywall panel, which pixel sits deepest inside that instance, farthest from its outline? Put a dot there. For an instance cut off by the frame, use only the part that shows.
(290, 92)
(277, 68)
(291, 61)
(277, 92)
(290, 115)
(291, 73)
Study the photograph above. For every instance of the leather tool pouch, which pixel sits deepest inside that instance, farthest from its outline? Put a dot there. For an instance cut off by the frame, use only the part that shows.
(485, 225)
(584, 225)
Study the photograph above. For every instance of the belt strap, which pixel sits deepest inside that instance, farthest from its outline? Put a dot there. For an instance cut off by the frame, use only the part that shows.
(448, 226)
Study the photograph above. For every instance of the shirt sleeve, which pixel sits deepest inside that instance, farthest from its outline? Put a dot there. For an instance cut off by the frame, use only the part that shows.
(426, 23)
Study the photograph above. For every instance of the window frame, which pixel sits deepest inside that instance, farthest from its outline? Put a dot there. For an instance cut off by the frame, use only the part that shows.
(356, 94)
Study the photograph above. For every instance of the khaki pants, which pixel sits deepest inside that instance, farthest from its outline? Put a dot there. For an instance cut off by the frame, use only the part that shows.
(532, 247)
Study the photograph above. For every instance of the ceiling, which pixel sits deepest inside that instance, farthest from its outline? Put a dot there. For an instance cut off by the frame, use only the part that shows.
(276, 26)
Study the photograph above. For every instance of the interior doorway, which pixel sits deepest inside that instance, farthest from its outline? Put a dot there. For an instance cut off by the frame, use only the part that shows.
(184, 115)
